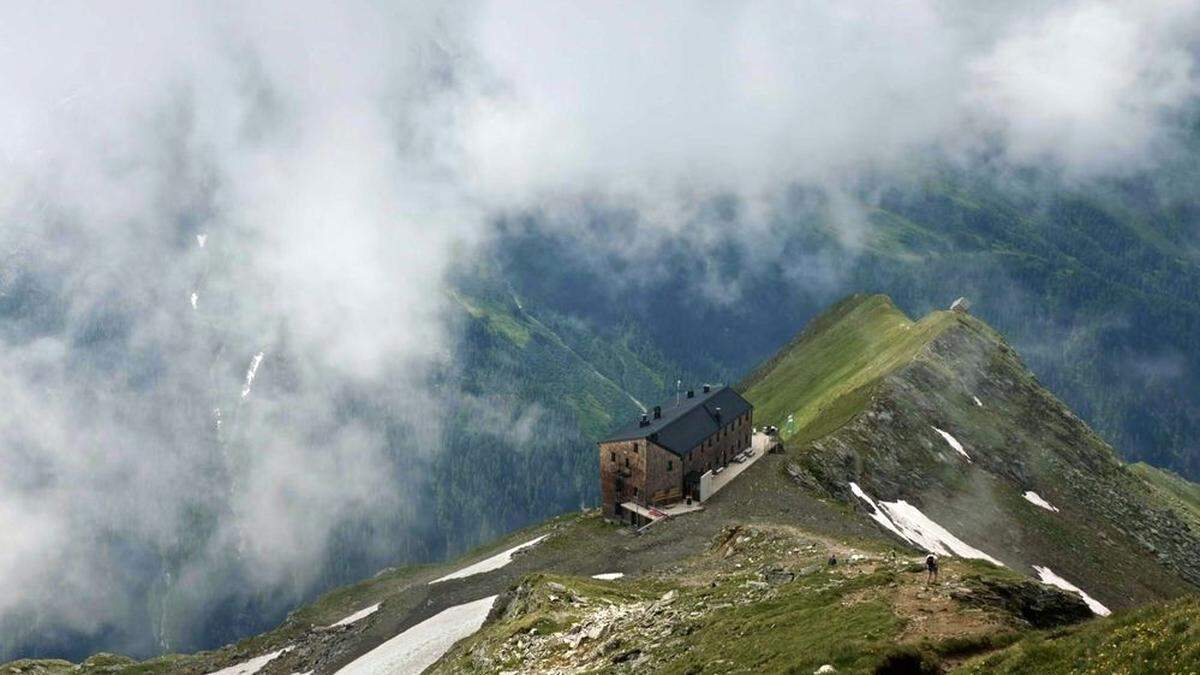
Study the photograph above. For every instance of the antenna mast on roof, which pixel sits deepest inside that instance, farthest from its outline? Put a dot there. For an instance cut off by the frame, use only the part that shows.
(678, 383)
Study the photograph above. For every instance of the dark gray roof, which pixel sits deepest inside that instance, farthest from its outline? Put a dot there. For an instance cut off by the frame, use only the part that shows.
(685, 425)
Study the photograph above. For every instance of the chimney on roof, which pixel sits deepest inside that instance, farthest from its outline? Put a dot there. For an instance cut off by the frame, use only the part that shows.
(718, 412)
(658, 412)
(691, 393)
(645, 422)
(707, 388)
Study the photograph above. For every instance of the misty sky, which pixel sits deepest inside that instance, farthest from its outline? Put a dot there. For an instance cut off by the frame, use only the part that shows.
(217, 218)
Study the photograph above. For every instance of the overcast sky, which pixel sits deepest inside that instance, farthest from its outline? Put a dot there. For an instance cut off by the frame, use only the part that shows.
(187, 185)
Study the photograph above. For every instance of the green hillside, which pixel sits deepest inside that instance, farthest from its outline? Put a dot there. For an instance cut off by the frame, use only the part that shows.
(1156, 639)
(1181, 492)
(815, 383)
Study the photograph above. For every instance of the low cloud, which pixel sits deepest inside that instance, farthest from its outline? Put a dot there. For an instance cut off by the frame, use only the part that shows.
(746, 97)
(186, 186)
(1092, 86)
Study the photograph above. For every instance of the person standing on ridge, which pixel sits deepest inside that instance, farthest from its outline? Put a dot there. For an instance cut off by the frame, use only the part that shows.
(931, 567)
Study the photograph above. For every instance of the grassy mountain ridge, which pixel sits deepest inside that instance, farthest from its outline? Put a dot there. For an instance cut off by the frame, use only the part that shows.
(814, 383)
(745, 586)
(964, 379)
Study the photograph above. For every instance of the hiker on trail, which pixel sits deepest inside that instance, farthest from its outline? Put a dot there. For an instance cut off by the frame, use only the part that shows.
(931, 566)
(833, 560)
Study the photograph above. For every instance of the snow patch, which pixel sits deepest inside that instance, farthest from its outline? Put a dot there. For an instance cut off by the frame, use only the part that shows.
(201, 239)
(194, 298)
(251, 372)
(1048, 576)
(608, 576)
(360, 614)
(953, 443)
(419, 647)
(1036, 499)
(923, 531)
(907, 522)
(876, 514)
(493, 563)
(252, 666)
(977, 401)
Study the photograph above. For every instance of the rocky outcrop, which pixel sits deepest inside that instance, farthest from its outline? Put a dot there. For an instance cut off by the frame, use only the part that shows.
(1016, 437)
(1038, 605)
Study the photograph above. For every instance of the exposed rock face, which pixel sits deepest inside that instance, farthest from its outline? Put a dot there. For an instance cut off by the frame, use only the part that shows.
(1113, 536)
(1039, 605)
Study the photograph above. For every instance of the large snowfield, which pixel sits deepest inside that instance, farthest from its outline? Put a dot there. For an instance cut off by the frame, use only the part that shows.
(488, 564)
(910, 524)
(419, 647)
(357, 616)
(251, 666)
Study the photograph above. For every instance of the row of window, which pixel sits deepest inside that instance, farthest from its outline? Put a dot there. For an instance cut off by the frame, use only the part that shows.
(613, 457)
(724, 431)
(725, 457)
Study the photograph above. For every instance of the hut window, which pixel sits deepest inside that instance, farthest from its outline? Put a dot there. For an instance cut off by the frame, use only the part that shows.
(669, 465)
(613, 456)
